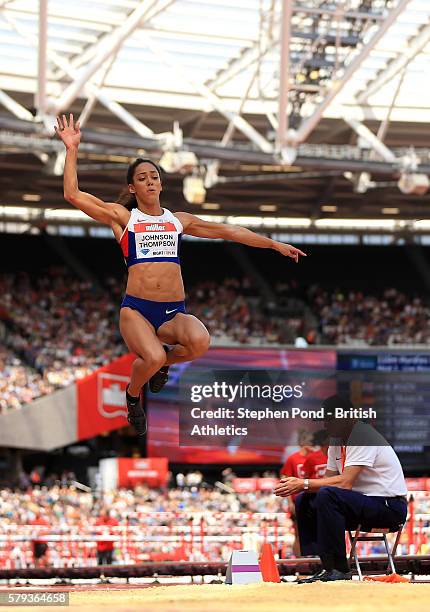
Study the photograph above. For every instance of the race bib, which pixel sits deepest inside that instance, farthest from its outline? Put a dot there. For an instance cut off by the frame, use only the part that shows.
(156, 239)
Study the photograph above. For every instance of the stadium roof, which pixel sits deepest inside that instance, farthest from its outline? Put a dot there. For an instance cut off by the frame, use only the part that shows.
(277, 100)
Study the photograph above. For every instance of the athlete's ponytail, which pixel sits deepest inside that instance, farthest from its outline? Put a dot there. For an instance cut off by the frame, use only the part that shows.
(127, 199)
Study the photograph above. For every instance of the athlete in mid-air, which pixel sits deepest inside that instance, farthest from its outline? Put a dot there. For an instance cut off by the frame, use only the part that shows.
(153, 320)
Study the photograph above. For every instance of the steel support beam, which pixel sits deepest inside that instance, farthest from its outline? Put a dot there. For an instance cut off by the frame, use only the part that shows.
(250, 55)
(92, 98)
(212, 177)
(109, 47)
(40, 96)
(239, 122)
(265, 42)
(126, 144)
(247, 58)
(277, 176)
(91, 51)
(382, 131)
(284, 74)
(346, 14)
(14, 107)
(377, 145)
(414, 46)
(228, 134)
(128, 118)
(309, 124)
(137, 126)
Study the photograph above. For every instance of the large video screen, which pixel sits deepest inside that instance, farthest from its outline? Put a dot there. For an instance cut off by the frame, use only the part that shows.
(164, 409)
(395, 382)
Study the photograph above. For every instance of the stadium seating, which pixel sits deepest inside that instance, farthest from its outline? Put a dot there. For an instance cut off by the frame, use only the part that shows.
(58, 328)
(183, 523)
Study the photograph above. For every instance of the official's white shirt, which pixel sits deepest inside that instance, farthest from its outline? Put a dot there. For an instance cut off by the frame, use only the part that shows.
(382, 474)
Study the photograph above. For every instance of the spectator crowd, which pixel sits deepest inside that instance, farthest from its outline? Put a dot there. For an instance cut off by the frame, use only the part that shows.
(193, 522)
(19, 384)
(149, 524)
(55, 328)
(354, 318)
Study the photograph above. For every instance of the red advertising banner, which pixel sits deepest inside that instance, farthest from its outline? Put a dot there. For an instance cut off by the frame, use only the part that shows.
(267, 484)
(418, 484)
(244, 485)
(248, 485)
(101, 398)
(152, 471)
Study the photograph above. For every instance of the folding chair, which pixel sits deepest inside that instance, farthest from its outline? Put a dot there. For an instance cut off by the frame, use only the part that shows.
(375, 535)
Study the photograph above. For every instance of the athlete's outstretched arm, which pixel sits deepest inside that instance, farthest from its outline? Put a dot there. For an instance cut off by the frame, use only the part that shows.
(207, 229)
(70, 134)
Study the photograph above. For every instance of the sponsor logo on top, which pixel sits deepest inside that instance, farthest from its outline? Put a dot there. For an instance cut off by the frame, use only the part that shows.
(168, 226)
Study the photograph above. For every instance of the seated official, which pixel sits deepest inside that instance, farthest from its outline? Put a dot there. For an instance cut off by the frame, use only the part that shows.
(363, 485)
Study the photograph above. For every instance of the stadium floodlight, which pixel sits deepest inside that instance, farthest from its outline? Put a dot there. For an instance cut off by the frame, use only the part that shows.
(213, 218)
(15, 211)
(421, 225)
(265, 222)
(413, 184)
(268, 207)
(211, 176)
(288, 153)
(31, 197)
(64, 214)
(179, 161)
(194, 189)
(357, 224)
(363, 183)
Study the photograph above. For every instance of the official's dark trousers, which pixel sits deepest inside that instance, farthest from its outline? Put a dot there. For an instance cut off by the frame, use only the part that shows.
(323, 517)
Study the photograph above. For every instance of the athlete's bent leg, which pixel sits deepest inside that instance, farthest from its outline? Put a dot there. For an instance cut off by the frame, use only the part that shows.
(190, 339)
(139, 336)
(188, 334)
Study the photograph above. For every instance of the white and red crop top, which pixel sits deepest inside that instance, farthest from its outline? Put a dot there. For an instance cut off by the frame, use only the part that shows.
(147, 238)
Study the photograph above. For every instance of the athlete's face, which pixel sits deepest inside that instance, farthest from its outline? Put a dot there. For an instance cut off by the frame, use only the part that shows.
(146, 183)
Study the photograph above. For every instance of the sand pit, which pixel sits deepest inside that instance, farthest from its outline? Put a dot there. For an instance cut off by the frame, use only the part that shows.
(339, 597)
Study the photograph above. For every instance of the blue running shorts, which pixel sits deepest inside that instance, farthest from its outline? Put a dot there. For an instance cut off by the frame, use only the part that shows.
(156, 313)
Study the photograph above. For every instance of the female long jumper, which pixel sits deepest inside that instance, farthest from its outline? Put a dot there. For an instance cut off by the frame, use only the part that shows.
(153, 311)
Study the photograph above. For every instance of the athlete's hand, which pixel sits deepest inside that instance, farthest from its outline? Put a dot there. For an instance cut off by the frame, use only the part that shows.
(289, 486)
(288, 251)
(68, 131)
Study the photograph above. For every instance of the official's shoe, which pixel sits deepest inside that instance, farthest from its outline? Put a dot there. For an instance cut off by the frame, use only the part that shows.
(326, 576)
(136, 414)
(313, 578)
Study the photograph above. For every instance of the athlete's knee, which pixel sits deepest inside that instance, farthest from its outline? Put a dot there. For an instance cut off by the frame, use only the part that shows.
(198, 343)
(157, 358)
(153, 358)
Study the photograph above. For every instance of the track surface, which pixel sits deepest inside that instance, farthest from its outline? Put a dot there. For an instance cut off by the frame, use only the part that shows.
(339, 597)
